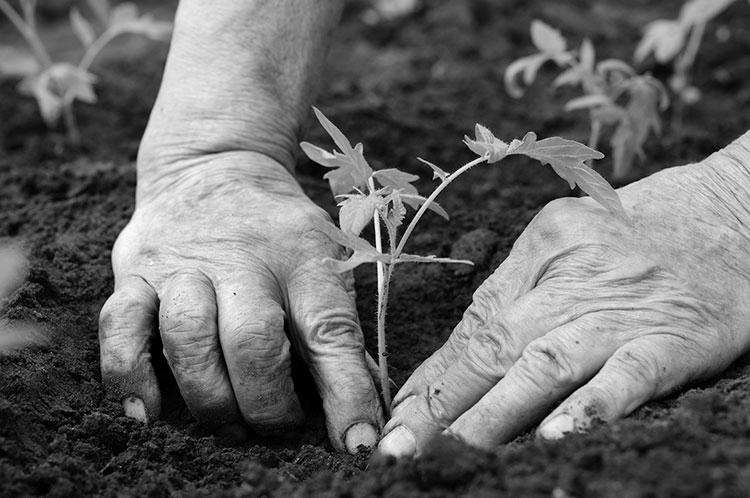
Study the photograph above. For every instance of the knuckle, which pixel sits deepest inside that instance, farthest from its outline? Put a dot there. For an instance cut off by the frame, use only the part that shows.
(489, 352)
(550, 359)
(638, 366)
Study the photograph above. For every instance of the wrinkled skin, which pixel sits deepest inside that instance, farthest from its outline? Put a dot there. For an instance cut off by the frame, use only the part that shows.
(220, 256)
(589, 317)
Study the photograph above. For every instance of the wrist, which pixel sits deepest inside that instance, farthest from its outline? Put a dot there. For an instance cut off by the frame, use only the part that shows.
(725, 175)
(226, 173)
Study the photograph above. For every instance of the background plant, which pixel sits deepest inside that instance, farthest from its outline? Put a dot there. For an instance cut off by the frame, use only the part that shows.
(381, 196)
(56, 85)
(614, 94)
(678, 41)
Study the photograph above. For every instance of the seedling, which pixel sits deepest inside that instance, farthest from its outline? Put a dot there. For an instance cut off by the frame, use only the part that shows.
(381, 197)
(678, 41)
(56, 85)
(614, 95)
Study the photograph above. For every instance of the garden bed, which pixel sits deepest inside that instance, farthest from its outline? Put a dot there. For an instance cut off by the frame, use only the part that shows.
(404, 88)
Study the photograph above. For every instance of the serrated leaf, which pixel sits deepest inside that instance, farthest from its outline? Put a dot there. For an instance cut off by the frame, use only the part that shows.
(664, 39)
(363, 251)
(414, 201)
(82, 27)
(486, 144)
(567, 158)
(587, 102)
(701, 11)
(437, 172)
(396, 179)
(357, 211)
(351, 170)
(527, 67)
(413, 258)
(546, 38)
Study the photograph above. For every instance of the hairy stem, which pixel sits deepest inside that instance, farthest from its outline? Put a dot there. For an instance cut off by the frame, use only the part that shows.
(382, 302)
(687, 59)
(413, 223)
(28, 32)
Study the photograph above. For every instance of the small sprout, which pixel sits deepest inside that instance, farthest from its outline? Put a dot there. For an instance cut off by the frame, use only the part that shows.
(57, 85)
(613, 93)
(678, 41)
(381, 197)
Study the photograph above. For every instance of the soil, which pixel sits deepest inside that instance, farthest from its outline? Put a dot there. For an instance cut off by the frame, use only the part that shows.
(404, 88)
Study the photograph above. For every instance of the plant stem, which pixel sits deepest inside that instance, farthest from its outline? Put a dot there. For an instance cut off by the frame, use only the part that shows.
(685, 62)
(96, 47)
(596, 130)
(74, 136)
(382, 303)
(413, 223)
(28, 32)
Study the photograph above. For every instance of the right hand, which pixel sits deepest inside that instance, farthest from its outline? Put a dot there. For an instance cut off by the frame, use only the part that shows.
(221, 255)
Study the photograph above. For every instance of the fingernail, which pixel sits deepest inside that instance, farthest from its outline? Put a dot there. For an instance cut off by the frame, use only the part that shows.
(234, 433)
(134, 408)
(557, 427)
(400, 442)
(361, 434)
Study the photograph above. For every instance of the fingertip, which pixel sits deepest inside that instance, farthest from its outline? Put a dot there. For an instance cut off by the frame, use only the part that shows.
(360, 435)
(557, 427)
(135, 409)
(399, 443)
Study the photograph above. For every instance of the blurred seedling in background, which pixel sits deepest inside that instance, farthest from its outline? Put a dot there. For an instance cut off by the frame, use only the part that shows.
(614, 95)
(678, 41)
(56, 85)
(381, 196)
(14, 269)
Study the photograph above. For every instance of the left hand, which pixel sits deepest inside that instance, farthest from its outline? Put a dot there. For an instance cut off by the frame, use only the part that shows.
(589, 317)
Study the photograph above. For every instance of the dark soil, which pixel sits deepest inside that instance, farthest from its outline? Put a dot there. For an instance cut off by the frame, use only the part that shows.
(404, 88)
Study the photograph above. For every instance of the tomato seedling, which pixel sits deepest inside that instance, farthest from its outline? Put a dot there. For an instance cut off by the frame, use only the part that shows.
(56, 85)
(381, 196)
(613, 93)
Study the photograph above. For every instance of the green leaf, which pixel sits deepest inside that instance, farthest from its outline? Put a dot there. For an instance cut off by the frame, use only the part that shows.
(397, 180)
(437, 172)
(664, 39)
(362, 251)
(640, 119)
(396, 211)
(528, 67)
(15, 62)
(701, 11)
(486, 145)
(357, 211)
(587, 102)
(546, 38)
(567, 159)
(350, 169)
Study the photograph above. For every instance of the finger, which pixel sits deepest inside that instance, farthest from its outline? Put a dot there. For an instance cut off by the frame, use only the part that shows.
(548, 370)
(489, 353)
(646, 368)
(512, 279)
(257, 351)
(189, 332)
(324, 319)
(126, 324)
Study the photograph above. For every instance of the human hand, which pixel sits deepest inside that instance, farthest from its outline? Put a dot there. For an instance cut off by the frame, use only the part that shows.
(222, 256)
(589, 317)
